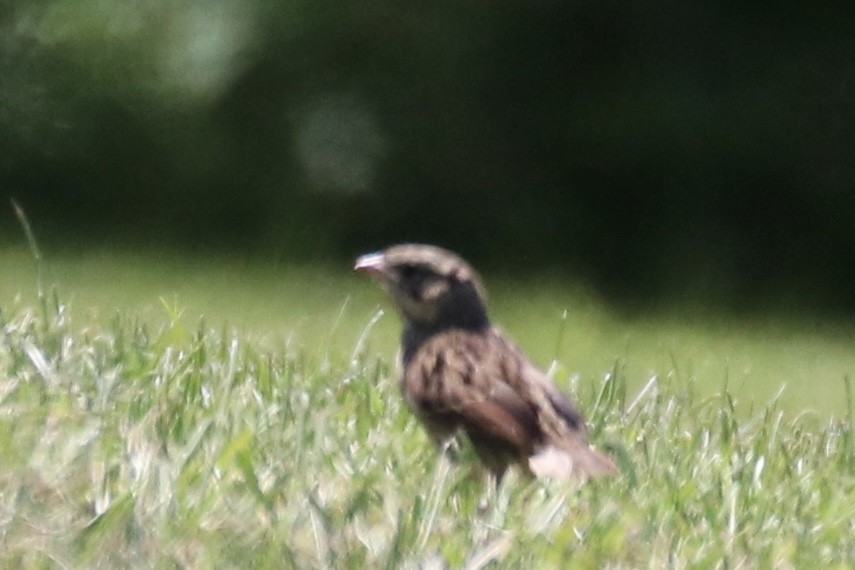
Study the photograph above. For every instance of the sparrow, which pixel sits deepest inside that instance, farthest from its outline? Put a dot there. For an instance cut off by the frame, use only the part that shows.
(462, 376)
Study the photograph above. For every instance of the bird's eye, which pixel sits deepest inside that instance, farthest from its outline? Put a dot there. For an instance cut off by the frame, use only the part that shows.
(409, 271)
(411, 279)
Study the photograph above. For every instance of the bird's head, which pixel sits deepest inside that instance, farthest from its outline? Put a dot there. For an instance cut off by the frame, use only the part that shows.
(431, 287)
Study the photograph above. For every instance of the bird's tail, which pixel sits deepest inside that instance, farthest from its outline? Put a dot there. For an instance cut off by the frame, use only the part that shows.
(564, 462)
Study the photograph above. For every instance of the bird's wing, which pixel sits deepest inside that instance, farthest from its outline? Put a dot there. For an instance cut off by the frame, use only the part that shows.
(564, 452)
(561, 450)
(484, 384)
(458, 377)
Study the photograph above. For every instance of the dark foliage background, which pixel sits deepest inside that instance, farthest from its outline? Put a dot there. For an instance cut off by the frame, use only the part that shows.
(655, 149)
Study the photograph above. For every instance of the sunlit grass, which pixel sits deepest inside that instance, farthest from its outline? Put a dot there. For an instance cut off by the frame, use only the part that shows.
(321, 309)
(183, 444)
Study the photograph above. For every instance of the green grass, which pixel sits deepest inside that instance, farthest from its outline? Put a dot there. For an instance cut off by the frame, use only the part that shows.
(322, 310)
(270, 433)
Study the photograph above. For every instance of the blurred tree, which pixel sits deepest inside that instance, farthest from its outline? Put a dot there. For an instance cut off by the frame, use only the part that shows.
(653, 149)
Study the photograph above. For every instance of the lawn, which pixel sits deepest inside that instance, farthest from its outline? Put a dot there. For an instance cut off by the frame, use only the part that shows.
(170, 411)
(322, 310)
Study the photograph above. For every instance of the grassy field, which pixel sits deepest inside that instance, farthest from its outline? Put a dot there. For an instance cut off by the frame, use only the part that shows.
(322, 311)
(166, 411)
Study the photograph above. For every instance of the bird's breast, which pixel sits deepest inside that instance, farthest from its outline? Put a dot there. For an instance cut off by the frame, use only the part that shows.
(451, 369)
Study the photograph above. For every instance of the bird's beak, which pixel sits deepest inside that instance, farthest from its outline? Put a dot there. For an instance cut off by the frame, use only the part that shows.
(372, 264)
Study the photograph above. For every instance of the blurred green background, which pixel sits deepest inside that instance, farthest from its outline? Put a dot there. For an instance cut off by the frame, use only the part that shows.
(655, 151)
(660, 196)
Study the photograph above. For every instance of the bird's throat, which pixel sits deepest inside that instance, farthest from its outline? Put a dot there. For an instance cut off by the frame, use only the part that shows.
(415, 335)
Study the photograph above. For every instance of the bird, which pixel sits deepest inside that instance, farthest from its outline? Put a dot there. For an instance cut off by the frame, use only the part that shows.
(461, 376)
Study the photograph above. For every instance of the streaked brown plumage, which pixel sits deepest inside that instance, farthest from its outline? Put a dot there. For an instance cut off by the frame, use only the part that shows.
(462, 375)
